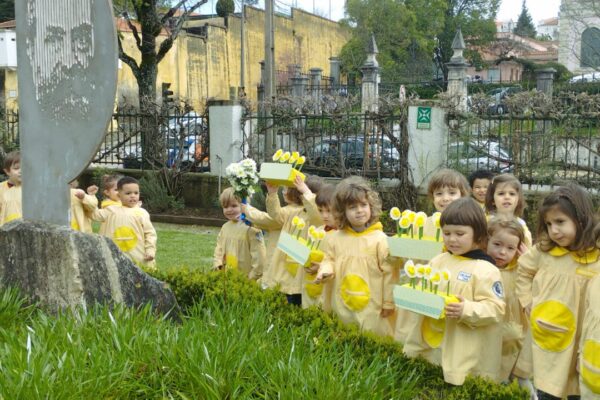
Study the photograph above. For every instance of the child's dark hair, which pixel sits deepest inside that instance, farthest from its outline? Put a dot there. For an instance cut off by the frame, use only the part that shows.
(314, 183)
(126, 180)
(505, 179)
(109, 181)
(448, 178)
(325, 196)
(511, 225)
(352, 190)
(10, 159)
(466, 211)
(575, 202)
(480, 174)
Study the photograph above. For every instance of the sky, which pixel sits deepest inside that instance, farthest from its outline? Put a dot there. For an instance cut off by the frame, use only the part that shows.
(509, 9)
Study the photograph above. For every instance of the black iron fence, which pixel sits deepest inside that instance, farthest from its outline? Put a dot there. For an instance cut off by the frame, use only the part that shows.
(9, 130)
(333, 145)
(537, 151)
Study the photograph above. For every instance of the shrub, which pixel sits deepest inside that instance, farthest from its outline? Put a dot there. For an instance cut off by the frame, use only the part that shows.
(156, 197)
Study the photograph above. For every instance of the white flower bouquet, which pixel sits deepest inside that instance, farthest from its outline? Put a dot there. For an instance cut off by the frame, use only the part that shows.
(243, 178)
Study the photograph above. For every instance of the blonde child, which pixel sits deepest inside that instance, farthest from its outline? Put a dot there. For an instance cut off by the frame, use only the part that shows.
(82, 207)
(357, 258)
(129, 225)
(316, 292)
(468, 341)
(589, 348)
(10, 190)
(479, 181)
(505, 200)
(445, 186)
(109, 191)
(239, 246)
(505, 238)
(551, 286)
(277, 219)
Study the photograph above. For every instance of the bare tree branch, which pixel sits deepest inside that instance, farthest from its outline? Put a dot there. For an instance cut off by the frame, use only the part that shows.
(127, 59)
(166, 45)
(136, 35)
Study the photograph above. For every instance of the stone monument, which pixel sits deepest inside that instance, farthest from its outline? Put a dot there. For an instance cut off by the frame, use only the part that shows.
(67, 57)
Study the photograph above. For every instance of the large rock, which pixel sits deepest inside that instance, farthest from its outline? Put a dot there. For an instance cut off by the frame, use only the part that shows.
(62, 268)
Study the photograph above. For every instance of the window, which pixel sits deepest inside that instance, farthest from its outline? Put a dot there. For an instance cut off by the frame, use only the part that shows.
(590, 48)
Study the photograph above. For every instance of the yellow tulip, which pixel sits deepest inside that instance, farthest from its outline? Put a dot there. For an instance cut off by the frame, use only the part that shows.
(285, 157)
(395, 213)
(277, 155)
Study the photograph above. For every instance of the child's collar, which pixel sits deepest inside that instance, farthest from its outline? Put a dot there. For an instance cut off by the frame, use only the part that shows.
(373, 227)
(588, 257)
(476, 254)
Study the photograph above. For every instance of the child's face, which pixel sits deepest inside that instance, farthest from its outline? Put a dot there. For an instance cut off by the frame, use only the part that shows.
(14, 173)
(129, 195)
(480, 187)
(561, 229)
(458, 239)
(502, 247)
(506, 198)
(112, 192)
(74, 184)
(327, 216)
(443, 196)
(358, 214)
(232, 210)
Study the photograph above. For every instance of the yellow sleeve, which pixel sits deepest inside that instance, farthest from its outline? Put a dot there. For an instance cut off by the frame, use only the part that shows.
(149, 236)
(257, 252)
(527, 269)
(487, 306)
(101, 215)
(261, 219)
(274, 208)
(314, 217)
(89, 203)
(327, 265)
(219, 253)
(387, 269)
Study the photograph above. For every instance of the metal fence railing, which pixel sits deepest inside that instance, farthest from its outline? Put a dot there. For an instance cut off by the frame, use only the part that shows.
(537, 151)
(9, 130)
(333, 145)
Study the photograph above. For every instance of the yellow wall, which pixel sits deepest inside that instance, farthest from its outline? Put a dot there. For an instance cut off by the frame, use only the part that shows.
(203, 68)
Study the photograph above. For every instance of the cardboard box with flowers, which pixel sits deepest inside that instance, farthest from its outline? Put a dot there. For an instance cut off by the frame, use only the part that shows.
(284, 169)
(300, 250)
(410, 241)
(421, 294)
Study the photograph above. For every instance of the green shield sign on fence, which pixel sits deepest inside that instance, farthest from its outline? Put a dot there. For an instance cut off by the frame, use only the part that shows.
(424, 118)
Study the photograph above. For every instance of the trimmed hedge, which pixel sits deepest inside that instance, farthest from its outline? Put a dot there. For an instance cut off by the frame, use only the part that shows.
(191, 287)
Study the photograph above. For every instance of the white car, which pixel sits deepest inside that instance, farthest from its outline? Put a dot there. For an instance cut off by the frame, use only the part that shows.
(483, 154)
(591, 77)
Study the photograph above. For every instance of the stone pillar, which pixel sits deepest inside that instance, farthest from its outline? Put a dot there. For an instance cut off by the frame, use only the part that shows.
(370, 79)
(315, 87)
(334, 72)
(226, 137)
(457, 73)
(261, 89)
(299, 83)
(545, 80)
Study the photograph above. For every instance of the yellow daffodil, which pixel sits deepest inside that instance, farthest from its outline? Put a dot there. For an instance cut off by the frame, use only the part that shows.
(436, 219)
(435, 278)
(301, 224)
(301, 160)
(420, 219)
(322, 234)
(285, 157)
(406, 213)
(420, 268)
(295, 156)
(427, 271)
(277, 155)
(295, 220)
(445, 275)
(404, 222)
(409, 269)
(395, 213)
(312, 229)
(412, 216)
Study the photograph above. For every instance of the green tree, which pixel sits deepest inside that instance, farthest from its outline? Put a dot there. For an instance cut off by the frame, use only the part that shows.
(147, 19)
(224, 8)
(7, 10)
(525, 26)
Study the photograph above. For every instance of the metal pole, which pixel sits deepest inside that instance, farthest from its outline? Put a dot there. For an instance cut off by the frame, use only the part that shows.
(242, 49)
(269, 74)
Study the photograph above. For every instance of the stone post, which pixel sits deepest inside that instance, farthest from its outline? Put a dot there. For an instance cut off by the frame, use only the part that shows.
(226, 136)
(299, 83)
(370, 79)
(261, 89)
(334, 72)
(315, 87)
(545, 80)
(457, 73)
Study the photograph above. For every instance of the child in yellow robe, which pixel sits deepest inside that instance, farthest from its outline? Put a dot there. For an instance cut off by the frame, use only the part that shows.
(552, 282)
(469, 337)
(357, 259)
(83, 206)
(109, 191)
(505, 238)
(239, 246)
(479, 182)
(10, 190)
(129, 225)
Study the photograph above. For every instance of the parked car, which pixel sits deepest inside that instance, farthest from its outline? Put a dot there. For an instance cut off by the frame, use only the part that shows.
(499, 95)
(474, 155)
(591, 77)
